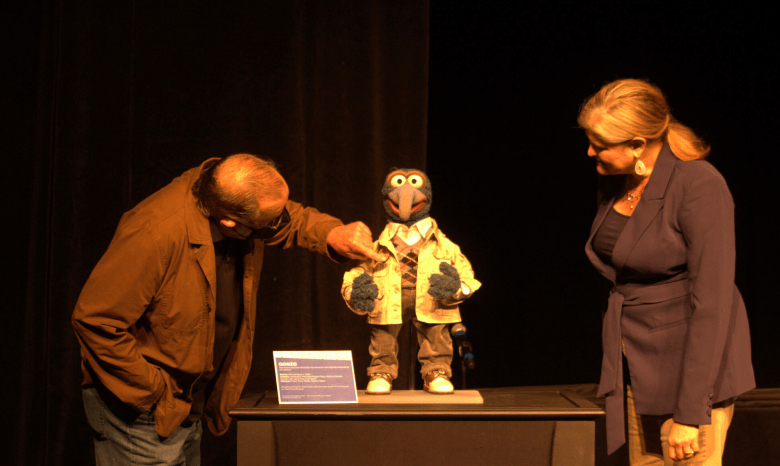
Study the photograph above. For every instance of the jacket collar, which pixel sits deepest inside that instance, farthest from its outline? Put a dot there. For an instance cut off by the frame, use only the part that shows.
(386, 237)
(198, 230)
(662, 173)
(423, 227)
(646, 210)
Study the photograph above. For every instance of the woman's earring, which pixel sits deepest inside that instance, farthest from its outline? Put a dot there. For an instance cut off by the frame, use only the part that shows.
(640, 168)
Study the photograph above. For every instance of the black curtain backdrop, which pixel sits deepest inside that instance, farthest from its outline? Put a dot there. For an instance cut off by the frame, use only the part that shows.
(106, 102)
(516, 190)
(130, 95)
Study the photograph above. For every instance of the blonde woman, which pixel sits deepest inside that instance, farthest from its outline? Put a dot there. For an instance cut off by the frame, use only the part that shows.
(675, 337)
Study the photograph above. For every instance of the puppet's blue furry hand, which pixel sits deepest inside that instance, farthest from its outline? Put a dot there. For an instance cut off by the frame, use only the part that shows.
(445, 284)
(364, 292)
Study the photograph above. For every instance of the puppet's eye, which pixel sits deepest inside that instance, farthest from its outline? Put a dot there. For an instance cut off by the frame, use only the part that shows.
(416, 181)
(397, 180)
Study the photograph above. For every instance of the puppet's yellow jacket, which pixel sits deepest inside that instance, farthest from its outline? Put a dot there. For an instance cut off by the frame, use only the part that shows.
(436, 249)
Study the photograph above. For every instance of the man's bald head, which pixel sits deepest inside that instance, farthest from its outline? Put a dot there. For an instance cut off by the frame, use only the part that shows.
(240, 187)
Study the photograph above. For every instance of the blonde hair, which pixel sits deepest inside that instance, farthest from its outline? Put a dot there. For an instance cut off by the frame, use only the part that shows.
(629, 108)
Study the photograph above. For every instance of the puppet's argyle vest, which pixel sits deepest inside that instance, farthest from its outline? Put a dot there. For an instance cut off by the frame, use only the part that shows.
(407, 256)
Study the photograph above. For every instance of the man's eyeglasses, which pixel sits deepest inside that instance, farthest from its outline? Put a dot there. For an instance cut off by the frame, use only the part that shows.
(267, 231)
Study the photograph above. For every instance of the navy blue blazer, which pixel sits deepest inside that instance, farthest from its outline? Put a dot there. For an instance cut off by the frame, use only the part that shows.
(674, 302)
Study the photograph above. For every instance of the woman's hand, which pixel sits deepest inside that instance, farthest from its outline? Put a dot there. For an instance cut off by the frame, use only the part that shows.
(683, 441)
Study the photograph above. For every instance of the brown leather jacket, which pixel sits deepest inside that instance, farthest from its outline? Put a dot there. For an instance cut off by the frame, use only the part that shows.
(145, 317)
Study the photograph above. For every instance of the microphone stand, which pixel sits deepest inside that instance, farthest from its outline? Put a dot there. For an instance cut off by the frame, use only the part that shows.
(463, 373)
(412, 355)
(458, 331)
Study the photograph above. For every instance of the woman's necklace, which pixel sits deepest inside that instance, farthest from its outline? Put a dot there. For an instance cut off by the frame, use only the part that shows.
(635, 194)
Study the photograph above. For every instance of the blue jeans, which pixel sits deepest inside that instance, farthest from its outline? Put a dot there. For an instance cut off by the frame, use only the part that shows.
(123, 436)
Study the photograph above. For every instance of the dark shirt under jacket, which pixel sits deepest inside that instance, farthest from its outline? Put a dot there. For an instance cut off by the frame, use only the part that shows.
(608, 234)
(228, 257)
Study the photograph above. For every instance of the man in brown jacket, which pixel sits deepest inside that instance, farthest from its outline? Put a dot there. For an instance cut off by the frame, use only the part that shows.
(166, 319)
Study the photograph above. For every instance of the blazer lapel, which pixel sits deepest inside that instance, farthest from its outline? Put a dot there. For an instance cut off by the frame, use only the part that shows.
(646, 210)
(604, 269)
(199, 236)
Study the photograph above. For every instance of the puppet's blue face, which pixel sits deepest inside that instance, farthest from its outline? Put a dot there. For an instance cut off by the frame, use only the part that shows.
(407, 195)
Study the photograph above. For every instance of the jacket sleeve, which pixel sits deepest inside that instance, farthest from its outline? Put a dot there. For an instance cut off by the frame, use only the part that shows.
(706, 219)
(463, 266)
(115, 296)
(308, 228)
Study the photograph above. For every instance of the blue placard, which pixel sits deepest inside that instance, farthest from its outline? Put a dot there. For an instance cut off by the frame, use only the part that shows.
(315, 377)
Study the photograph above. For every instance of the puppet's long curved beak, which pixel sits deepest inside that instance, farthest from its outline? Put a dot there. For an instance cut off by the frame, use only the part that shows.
(407, 200)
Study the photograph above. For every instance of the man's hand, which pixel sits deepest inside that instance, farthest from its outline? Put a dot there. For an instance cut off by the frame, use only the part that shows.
(683, 441)
(353, 241)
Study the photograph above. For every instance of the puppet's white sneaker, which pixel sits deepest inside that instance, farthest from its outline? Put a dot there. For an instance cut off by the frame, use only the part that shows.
(380, 384)
(438, 383)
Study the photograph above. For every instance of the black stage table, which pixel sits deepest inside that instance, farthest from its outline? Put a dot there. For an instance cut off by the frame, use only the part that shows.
(513, 426)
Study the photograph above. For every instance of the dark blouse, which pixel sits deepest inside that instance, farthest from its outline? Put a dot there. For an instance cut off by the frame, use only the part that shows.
(605, 238)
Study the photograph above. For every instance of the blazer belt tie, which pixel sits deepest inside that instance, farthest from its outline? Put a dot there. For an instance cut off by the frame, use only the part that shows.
(611, 383)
